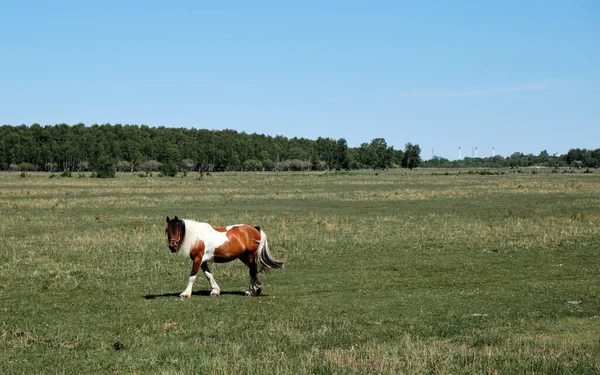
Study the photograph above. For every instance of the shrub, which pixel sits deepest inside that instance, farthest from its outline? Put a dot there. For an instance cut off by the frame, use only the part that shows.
(123, 166)
(26, 167)
(169, 169)
(252, 165)
(51, 167)
(150, 166)
(294, 165)
(187, 165)
(268, 165)
(84, 165)
(106, 168)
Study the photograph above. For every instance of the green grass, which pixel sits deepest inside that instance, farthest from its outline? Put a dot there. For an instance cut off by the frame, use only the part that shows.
(391, 272)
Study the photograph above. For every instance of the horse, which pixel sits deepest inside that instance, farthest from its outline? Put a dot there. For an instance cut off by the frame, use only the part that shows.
(205, 243)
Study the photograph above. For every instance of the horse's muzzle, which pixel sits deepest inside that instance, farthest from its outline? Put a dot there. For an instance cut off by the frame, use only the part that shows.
(173, 248)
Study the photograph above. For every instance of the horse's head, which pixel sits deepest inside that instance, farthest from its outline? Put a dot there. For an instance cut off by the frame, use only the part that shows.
(175, 233)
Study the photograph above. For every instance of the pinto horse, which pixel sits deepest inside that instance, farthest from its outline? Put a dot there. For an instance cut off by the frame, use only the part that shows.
(205, 243)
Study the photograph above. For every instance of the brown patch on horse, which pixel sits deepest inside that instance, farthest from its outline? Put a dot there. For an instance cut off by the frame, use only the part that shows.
(242, 238)
(197, 250)
(196, 254)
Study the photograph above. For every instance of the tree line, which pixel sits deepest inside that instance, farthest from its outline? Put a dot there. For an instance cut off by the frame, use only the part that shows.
(575, 158)
(132, 148)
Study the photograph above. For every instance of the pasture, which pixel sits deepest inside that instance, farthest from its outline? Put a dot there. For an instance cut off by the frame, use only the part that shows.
(391, 272)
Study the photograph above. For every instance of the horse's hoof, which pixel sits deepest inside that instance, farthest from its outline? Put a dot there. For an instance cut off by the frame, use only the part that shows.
(254, 292)
(185, 295)
(214, 293)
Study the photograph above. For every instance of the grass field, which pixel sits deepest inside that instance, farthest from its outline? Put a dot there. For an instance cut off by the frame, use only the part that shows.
(393, 272)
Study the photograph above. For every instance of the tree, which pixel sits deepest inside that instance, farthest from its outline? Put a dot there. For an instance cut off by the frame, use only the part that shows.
(366, 156)
(412, 156)
(170, 161)
(342, 160)
(379, 150)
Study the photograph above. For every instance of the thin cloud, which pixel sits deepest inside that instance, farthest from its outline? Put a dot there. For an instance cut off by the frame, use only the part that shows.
(441, 93)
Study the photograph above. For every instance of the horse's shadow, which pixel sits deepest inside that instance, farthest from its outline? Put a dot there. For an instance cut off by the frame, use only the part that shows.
(204, 293)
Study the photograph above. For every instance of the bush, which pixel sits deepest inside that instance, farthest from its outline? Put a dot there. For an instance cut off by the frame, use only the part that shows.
(268, 165)
(66, 174)
(187, 165)
(294, 165)
(106, 168)
(51, 167)
(84, 165)
(150, 166)
(169, 169)
(26, 167)
(123, 166)
(252, 165)
(321, 165)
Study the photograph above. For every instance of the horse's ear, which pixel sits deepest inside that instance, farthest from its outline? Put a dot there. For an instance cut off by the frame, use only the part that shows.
(168, 220)
(176, 218)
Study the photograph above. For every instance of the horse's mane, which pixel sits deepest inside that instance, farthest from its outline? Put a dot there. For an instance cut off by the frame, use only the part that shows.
(181, 224)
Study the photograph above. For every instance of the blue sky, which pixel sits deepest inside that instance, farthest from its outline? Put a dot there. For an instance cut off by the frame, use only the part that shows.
(514, 75)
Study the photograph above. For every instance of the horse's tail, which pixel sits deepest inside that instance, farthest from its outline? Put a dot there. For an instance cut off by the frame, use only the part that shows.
(265, 260)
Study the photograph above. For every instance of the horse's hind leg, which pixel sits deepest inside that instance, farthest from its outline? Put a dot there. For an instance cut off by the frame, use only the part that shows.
(255, 284)
(215, 290)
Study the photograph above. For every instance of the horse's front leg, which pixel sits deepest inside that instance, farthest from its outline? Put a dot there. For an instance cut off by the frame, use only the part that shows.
(215, 290)
(187, 293)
